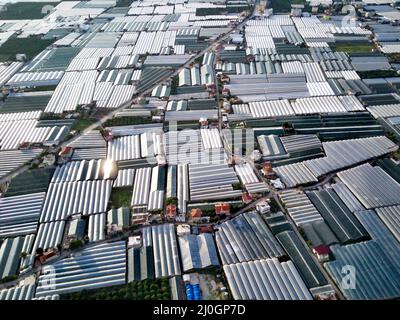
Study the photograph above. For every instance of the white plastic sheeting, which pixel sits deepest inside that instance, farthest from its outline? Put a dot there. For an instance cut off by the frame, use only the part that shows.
(75, 88)
(91, 139)
(78, 64)
(272, 108)
(391, 217)
(339, 154)
(246, 237)
(27, 79)
(141, 187)
(292, 67)
(15, 132)
(318, 105)
(85, 170)
(314, 72)
(246, 173)
(183, 187)
(372, 186)
(212, 181)
(165, 251)
(24, 292)
(97, 224)
(98, 266)
(193, 146)
(19, 214)
(198, 251)
(156, 200)
(153, 42)
(49, 235)
(120, 94)
(12, 159)
(124, 148)
(211, 138)
(8, 70)
(67, 198)
(299, 207)
(295, 174)
(317, 89)
(266, 280)
(125, 178)
(102, 93)
(384, 111)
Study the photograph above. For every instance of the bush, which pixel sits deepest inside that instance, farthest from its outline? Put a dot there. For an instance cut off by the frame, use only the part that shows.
(237, 186)
(172, 200)
(9, 278)
(75, 244)
(121, 197)
(137, 290)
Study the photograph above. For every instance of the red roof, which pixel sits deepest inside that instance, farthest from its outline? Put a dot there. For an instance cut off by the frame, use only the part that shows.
(171, 211)
(65, 150)
(322, 250)
(24, 145)
(246, 198)
(222, 208)
(206, 229)
(196, 213)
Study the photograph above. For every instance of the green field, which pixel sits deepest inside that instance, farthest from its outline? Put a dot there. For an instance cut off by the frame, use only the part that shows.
(283, 5)
(136, 290)
(31, 46)
(125, 121)
(354, 48)
(82, 123)
(121, 197)
(377, 74)
(25, 10)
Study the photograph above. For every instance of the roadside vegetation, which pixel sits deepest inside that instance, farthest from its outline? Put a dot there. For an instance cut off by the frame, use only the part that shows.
(136, 290)
(30, 46)
(125, 121)
(378, 74)
(81, 124)
(283, 5)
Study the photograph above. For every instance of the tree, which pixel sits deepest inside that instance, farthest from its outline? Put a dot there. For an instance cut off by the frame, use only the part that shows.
(128, 296)
(172, 200)
(237, 186)
(75, 244)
